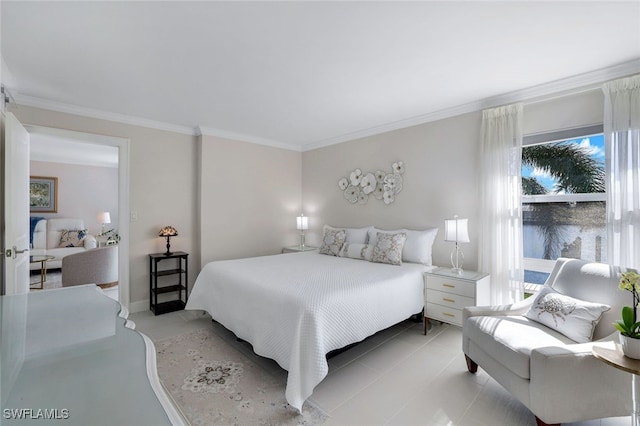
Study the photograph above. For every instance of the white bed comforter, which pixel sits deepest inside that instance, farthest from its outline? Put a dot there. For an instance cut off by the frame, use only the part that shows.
(295, 308)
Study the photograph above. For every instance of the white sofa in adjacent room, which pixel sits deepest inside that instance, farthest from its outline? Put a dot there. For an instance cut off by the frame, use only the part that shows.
(46, 240)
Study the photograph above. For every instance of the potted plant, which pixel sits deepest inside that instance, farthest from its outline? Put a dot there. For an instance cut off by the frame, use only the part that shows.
(628, 326)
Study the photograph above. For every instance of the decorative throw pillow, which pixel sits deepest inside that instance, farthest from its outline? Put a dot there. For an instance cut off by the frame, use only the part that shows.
(417, 248)
(356, 251)
(332, 241)
(574, 318)
(72, 238)
(388, 248)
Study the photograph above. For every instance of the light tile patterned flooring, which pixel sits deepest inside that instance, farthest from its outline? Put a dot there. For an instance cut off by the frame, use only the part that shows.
(396, 377)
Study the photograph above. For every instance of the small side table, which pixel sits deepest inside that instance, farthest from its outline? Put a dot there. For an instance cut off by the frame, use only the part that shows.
(446, 293)
(294, 249)
(42, 259)
(615, 358)
(174, 289)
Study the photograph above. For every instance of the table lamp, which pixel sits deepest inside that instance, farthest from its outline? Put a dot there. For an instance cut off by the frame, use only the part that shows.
(168, 232)
(455, 230)
(302, 223)
(103, 218)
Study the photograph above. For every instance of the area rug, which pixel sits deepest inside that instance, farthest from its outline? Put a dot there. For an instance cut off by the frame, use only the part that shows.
(215, 384)
(54, 280)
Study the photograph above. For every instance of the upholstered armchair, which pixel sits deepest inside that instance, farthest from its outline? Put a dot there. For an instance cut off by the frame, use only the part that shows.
(554, 376)
(96, 266)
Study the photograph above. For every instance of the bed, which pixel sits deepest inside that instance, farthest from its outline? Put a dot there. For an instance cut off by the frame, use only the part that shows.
(297, 307)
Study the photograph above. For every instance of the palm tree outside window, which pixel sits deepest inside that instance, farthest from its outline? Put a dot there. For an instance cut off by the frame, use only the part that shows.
(563, 199)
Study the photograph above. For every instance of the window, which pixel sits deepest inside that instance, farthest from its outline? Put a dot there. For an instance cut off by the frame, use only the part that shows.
(563, 199)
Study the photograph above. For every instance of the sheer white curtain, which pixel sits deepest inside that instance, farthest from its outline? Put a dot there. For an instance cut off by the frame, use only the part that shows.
(501, 208)
(622, 143)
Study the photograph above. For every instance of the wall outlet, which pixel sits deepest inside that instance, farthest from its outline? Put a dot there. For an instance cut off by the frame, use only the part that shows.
(134, 216)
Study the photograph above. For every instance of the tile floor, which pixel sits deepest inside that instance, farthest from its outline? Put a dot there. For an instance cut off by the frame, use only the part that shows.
(396, 377)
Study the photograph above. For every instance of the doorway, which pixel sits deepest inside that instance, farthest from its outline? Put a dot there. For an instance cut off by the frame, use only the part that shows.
(99, 150)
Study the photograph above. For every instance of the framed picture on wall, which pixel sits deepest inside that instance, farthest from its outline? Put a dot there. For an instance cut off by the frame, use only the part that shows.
(43, 194)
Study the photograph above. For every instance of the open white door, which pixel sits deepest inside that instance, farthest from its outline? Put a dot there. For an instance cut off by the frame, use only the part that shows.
(16, 204)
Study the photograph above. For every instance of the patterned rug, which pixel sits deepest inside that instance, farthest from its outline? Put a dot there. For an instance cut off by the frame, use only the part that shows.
(214, 384)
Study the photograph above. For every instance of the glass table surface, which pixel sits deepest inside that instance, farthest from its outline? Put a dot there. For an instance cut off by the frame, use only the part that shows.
(67, 357)
(40, 258)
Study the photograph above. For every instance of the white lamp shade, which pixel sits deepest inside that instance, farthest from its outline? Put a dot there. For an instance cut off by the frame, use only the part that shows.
(302, 222)
(456, 230)
(103, 217)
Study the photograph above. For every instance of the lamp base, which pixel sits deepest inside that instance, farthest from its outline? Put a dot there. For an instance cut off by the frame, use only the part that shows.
(457, 259)
(168, 252)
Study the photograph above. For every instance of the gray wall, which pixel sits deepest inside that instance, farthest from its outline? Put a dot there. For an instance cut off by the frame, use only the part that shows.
(441, 177)
(235, 199)
(83, 192)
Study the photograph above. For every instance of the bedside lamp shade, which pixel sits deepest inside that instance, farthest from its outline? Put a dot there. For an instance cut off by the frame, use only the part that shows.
(455, 230)
(168, 232)
(302, 224)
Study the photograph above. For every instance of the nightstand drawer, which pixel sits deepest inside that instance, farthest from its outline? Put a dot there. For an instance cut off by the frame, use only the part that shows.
(452, 285)
(443, 313)
(449, 299)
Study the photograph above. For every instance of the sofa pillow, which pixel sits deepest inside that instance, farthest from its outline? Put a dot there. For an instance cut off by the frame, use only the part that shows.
(73, 238)
(332, 240)
(574, 318)
(354, 235)
(388, 248)
(356, 251)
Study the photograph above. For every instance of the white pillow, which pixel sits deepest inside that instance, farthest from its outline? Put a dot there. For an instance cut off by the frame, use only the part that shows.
(356, 251)
(388, 248)
(417, 248)
(332, 240)
(354, 235)
(574, 318)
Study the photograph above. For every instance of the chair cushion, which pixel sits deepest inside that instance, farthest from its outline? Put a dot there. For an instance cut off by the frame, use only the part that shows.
(572, 317)
(510, 339)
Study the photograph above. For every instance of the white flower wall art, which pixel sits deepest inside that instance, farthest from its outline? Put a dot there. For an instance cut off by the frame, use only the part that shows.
(381, 185)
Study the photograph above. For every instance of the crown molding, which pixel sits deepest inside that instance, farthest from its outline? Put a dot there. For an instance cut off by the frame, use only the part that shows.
(209, 131)
(547, 91)
(36, 102)
(542, 92)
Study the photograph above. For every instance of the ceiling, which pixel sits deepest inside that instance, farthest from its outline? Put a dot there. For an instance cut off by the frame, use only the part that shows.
(53, 146)
(306, 74)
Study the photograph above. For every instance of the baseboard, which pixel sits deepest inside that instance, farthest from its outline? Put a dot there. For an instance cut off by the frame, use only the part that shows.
(139, 306)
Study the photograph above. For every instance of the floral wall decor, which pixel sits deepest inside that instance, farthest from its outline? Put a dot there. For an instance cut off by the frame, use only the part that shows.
(382, 185)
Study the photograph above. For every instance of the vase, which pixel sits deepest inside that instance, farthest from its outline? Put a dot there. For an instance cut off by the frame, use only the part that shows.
(630, 346)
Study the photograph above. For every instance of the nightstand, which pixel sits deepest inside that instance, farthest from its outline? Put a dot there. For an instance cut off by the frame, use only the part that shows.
(294, 249)
(446, 293)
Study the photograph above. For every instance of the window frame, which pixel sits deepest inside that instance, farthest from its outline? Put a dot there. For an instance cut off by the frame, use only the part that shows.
(545, 265)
